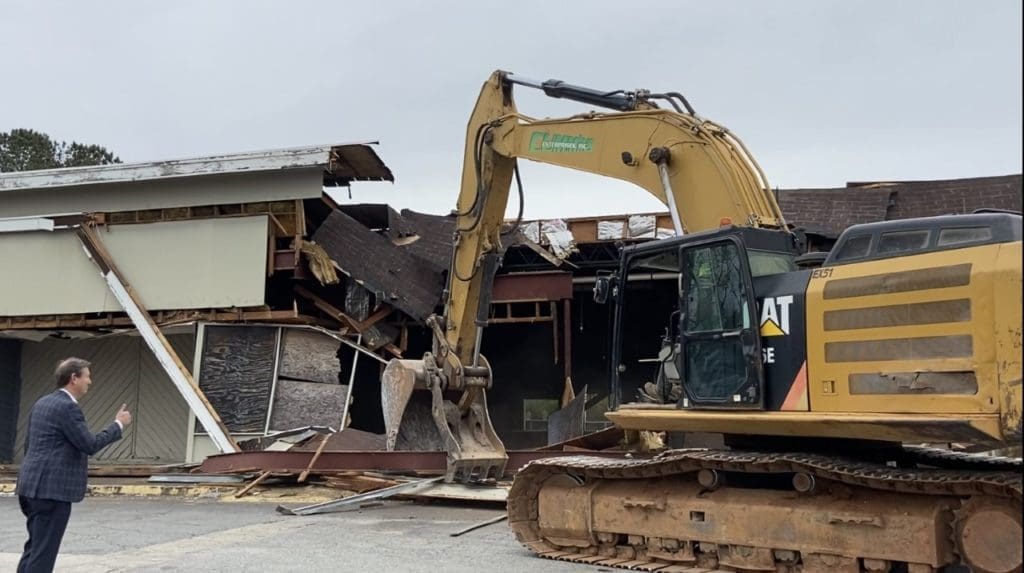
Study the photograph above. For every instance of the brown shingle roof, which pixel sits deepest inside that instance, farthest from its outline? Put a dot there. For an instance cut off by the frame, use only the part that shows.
(400, 278)
(833, 210)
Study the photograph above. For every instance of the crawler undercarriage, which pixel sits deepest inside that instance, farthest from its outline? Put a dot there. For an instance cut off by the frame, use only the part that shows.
(919, 510)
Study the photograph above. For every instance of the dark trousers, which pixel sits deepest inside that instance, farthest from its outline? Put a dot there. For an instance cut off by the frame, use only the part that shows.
(47, 520)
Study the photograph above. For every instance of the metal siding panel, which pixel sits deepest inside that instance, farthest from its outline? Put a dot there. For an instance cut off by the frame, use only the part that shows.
(114, 371)
(203, 263)
(162, 414)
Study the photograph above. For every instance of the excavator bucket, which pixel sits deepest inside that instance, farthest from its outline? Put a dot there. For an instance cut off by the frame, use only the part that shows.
(463, 430)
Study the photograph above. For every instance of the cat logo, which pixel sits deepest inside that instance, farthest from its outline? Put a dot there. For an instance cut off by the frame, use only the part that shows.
(775, 315)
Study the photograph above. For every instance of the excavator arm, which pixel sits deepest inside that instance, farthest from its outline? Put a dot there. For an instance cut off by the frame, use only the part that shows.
(697, 168)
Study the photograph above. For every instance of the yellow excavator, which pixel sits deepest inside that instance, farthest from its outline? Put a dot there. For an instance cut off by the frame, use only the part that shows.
(826, 384)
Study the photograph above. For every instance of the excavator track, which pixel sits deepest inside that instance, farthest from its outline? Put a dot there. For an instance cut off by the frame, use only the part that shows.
(725, 510)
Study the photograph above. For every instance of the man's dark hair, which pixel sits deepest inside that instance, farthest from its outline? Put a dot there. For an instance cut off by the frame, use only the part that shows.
(67, 368)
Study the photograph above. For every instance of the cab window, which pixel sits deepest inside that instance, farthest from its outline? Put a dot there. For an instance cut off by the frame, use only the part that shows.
(903, 241)
(854, 248)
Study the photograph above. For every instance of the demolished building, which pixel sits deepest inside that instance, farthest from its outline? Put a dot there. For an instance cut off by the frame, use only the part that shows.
(317, 296)
(216, 252)
(545, 329)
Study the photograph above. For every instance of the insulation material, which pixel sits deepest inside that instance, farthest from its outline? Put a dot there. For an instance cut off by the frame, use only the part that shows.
(562, 243)
(298, 404)
(319, 263)
(664, 233)
(610, 230)
(531, 231)
(642, 226)
(309, 355)
(552, 226)
(557, 235)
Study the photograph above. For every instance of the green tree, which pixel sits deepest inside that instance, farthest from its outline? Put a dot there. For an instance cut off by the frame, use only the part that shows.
(27, 149)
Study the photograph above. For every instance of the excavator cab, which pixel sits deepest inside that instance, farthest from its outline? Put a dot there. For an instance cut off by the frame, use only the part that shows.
(720, 351)
(711, 355)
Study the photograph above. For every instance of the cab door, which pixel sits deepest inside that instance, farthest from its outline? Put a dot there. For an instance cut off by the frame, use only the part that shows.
(720, 358)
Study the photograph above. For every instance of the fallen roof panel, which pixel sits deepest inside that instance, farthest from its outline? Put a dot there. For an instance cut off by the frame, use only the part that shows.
(342, 164)
(405, 281)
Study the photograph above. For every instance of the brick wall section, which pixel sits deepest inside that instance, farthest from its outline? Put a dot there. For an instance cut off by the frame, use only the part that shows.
(402, 279)
(832, 210)
(930, 198)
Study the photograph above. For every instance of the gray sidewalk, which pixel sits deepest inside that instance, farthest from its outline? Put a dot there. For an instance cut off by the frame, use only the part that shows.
(135, 534)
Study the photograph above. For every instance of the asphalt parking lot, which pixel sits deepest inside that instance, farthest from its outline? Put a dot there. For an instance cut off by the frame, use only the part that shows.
(178, 534)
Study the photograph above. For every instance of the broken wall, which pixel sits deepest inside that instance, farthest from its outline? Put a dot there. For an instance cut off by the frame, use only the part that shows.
(267, 379)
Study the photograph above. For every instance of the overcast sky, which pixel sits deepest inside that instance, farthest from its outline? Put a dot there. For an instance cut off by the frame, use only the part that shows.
(822, 92)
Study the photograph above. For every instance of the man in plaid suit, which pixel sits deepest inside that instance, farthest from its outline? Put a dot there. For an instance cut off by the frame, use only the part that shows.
(53, 473)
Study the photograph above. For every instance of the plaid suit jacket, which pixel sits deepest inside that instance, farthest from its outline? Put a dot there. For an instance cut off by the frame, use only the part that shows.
(57, 449)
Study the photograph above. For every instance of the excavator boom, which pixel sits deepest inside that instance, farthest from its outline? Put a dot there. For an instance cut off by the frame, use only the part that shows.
(696, 167)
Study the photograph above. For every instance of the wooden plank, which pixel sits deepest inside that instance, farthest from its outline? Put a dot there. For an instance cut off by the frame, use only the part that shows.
(327, 308)
(476, 526)
(520, 320)
(359, 483)
(252, 484)
(374, 318)
(300, 219)
(282, 231)
(271, 246)
(316, 455)
(169, 318)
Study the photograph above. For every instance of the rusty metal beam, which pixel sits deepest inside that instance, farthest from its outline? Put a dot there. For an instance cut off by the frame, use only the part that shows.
(328, 461)
(285, 259)
(542, 286)
(567, 336)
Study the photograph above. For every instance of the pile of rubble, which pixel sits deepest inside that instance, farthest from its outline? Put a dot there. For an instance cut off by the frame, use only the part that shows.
(356, 465)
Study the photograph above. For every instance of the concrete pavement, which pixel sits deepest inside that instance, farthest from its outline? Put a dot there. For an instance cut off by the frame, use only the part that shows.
(109, 534)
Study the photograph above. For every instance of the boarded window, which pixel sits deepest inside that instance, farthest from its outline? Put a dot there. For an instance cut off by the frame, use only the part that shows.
(236, 374)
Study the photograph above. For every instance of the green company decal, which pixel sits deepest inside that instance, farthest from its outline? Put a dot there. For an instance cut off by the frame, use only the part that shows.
(559, 143)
